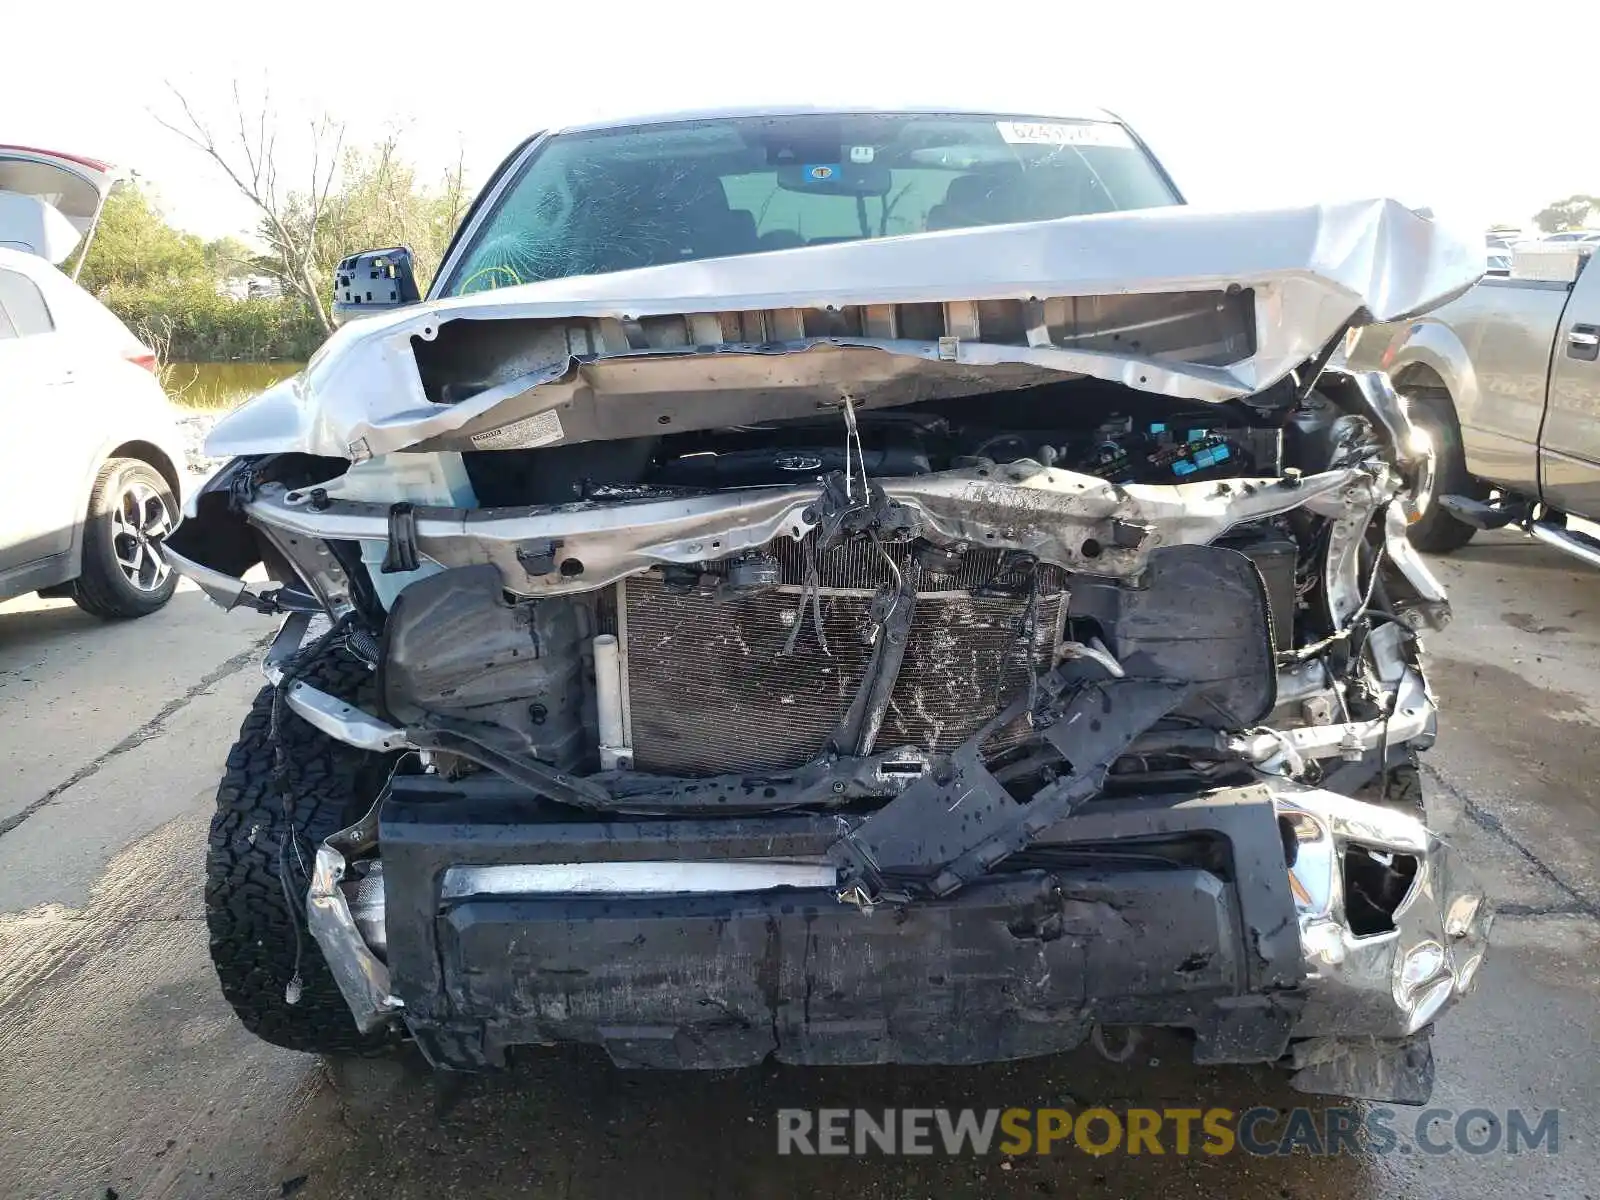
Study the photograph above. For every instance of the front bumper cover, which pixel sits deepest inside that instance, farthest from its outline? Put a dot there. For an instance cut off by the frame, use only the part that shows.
(1100, 923)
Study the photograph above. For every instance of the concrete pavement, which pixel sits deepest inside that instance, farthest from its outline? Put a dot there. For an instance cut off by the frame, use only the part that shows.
(123, 1073)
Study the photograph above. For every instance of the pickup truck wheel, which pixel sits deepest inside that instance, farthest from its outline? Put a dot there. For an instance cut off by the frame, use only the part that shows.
(256, 876)
(123, 574)
(1438, 532)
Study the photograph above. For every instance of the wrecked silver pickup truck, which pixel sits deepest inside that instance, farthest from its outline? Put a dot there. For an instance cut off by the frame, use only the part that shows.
(848, 587)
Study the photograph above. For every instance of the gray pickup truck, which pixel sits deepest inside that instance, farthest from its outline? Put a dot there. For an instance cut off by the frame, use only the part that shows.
(1506, 380)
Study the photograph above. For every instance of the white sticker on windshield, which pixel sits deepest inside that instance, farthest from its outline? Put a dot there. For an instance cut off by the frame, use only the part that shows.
(1064, 133)
(538, 430)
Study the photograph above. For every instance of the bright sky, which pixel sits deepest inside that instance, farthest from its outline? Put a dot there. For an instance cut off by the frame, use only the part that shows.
(1247, 103)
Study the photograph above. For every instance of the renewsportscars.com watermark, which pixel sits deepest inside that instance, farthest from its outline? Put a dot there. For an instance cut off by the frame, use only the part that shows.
(1175, 1131)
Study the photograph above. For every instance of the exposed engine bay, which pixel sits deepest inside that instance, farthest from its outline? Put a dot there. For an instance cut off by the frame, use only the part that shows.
(839, 611)
(877, 610)
(1013, 656)
(792, 628)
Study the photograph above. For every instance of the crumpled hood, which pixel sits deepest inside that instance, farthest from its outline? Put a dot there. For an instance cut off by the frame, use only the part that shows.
(1190, 303)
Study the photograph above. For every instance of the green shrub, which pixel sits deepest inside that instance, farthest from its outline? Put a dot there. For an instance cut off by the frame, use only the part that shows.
(191, 322)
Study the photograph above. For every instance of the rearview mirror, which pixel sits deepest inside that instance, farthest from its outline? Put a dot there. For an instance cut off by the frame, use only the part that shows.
(835, 179)
(374, 281)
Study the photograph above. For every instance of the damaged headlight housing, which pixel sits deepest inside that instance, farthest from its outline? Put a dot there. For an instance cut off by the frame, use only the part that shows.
(1386, 917)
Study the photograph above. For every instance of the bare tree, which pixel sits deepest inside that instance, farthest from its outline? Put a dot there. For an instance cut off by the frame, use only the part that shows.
(456, 198)
(291, 217)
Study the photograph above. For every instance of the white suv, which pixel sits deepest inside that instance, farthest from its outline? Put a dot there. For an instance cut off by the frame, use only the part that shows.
(91, 462)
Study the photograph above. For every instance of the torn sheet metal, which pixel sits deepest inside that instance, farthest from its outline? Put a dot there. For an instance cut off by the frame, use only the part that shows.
(1071, 520)
(586, 349)
(363, 978)
(1365, 980)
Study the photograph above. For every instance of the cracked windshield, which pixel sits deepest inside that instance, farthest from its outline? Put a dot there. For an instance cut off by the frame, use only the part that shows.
(798, 604)
(741, 186)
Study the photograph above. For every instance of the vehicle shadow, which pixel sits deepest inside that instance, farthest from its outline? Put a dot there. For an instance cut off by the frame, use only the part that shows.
(1504, 579)
(1514, 550)
(44, 644)
(73, 687)
(29, 621)
(565, 1122)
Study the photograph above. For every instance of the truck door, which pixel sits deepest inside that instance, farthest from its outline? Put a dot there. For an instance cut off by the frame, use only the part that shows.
(1569, 444)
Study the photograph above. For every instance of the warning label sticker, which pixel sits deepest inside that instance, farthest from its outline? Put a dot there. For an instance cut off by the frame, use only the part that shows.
(541, 429)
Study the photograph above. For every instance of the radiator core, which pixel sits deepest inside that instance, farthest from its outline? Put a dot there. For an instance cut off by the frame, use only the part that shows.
(711, 691)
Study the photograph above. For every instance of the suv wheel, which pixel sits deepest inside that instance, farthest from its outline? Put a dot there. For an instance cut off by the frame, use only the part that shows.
(123, 574)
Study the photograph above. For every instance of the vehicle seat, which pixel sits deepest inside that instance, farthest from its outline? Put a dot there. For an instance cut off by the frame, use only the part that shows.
(710, 228)
(682, 220)
(741, 234)
(779, 239)
(974, 200)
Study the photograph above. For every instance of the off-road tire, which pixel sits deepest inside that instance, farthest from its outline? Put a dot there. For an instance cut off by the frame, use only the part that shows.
(1438, 532)
(252, 921)
(101, 589)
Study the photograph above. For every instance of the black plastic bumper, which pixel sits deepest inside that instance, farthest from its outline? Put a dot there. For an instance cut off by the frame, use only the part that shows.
(1022, 963)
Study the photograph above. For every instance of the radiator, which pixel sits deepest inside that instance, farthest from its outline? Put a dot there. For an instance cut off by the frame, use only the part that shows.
(710, 689)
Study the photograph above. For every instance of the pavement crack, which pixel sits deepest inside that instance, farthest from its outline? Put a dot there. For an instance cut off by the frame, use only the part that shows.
(1490, 823)
(1573, 909)
(152, 728)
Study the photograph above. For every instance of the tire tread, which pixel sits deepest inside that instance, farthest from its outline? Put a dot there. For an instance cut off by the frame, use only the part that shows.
(251, 923)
